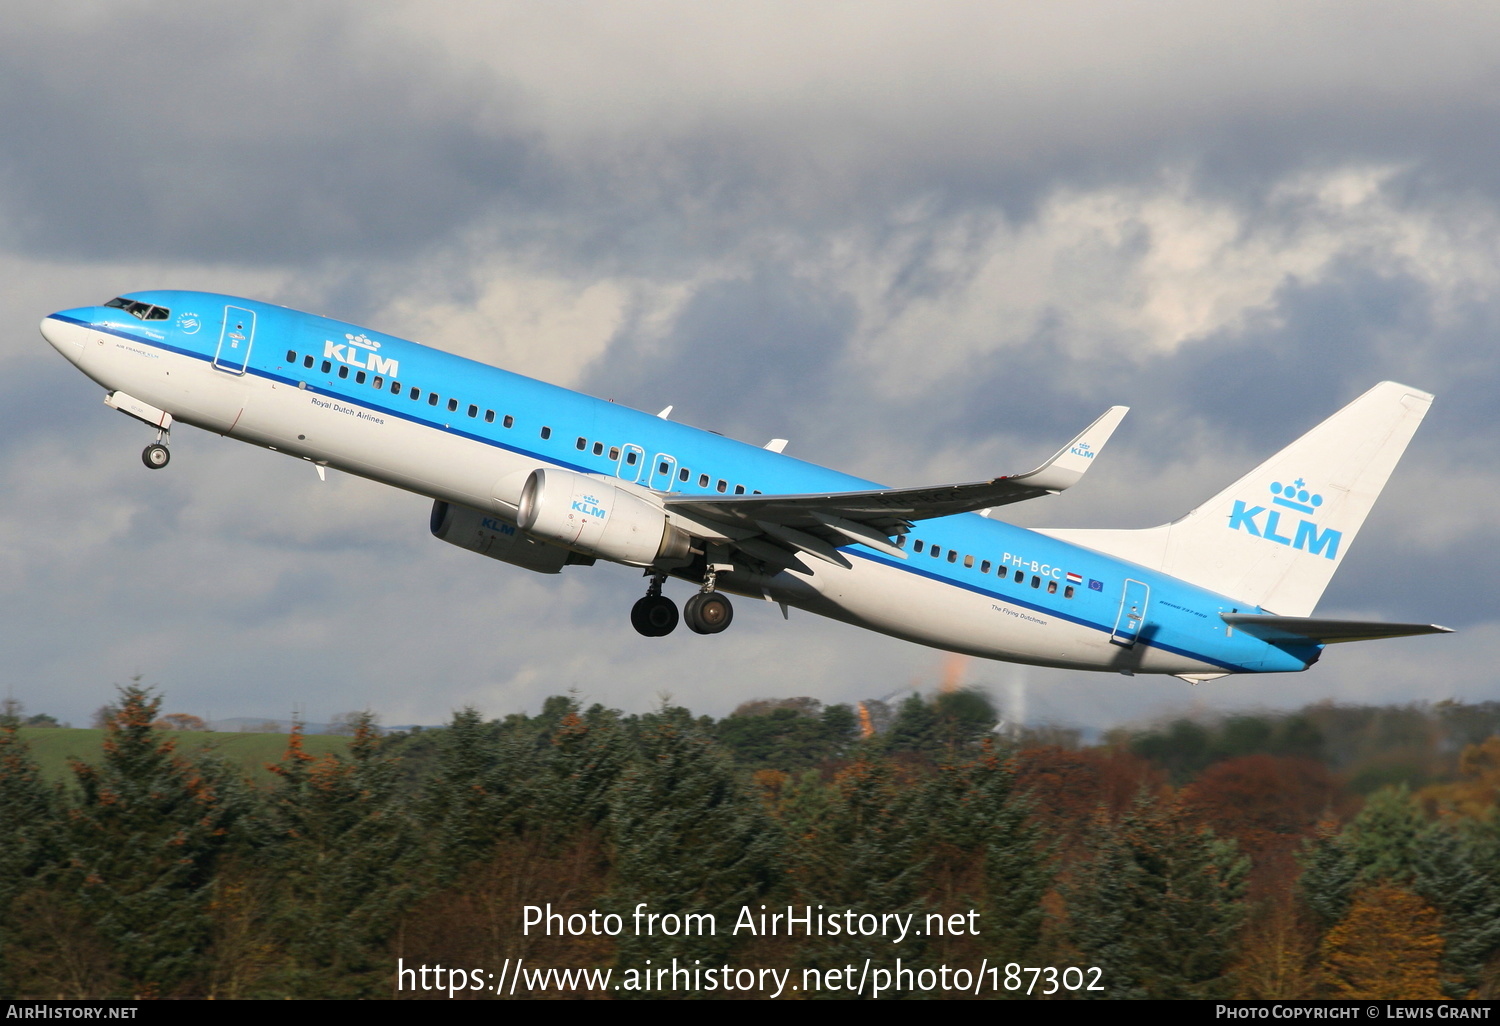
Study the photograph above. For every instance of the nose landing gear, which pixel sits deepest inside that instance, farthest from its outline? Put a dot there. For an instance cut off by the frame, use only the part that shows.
(156, 455)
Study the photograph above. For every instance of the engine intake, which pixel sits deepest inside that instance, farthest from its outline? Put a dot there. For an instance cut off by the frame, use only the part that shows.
(599, 516)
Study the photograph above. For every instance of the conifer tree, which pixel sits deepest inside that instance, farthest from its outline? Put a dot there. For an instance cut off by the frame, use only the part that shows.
(975, 814)
(28, 831)
(142, 845)
(1158, 905)
(340, 842)
(1456, 872)
(865, 851)
(687, 839)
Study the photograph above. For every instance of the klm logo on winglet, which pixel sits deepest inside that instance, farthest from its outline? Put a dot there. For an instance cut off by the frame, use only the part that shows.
(1083, 449)
(1305, 535)
(348, 352)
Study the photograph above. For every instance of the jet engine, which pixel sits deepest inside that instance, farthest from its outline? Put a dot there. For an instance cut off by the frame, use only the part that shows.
(599, 516)
(488, 535)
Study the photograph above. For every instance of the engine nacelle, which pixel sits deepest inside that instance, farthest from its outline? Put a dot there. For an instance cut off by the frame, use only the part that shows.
(598, 516)
(488, 535)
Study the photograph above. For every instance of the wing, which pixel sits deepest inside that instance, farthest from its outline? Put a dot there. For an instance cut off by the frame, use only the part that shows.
(817, 523)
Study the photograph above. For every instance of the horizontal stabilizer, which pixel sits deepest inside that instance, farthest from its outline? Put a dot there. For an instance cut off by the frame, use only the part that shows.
(1304, 629)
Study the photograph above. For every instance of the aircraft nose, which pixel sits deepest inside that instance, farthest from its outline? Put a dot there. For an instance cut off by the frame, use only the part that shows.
(66, 331)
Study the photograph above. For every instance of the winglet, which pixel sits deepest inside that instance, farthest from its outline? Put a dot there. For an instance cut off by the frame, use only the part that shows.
(1065, 469)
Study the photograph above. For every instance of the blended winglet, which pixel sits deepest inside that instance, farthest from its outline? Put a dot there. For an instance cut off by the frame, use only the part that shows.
(1074, 459)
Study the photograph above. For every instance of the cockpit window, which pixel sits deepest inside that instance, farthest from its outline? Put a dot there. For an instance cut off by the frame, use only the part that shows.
(141, 311)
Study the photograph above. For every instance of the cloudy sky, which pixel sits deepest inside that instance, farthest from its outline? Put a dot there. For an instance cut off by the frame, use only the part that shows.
(924, 242)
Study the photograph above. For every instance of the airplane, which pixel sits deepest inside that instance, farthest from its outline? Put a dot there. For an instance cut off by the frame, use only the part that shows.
(545, 478)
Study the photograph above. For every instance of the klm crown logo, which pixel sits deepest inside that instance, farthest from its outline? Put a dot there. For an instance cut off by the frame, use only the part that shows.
(1305, 536)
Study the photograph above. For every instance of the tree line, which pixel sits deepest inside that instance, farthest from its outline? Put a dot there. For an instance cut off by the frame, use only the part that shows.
(1234, 859)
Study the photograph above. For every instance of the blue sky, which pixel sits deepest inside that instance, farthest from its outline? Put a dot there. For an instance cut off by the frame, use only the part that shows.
(925, 244)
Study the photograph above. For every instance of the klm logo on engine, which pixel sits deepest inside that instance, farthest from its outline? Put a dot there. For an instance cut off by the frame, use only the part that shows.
(589, 506)
(350, 350)
(1304, 536)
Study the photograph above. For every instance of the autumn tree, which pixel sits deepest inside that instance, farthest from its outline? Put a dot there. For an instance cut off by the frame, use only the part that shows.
(1387, 947)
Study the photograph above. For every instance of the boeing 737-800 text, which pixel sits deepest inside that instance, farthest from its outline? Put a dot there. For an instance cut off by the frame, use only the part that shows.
(544, 478)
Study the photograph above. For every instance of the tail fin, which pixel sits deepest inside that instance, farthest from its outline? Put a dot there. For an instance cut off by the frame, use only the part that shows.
(1275, 536)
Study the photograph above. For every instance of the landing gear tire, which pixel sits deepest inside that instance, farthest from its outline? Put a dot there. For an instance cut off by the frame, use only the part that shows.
(655, 616)
(155, 456)
(708, 613)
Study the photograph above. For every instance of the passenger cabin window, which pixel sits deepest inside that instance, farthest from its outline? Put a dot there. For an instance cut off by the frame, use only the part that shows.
(1051, 587)
(953, 555)
(432, 398)
(452, 405)
(738, 489)
(489, 417)
(723, 484)
(1068, 591)
(632, 455)
(702, 480)
(343, 370)
(291, 357)
(509, 421)
(583, 443)
(684, 474)
(598, 448)
(546, 432)
(378, 382)
(396, 387)
(473, 410)
(614, 453)
(984, 567)
(916, 546)
(307, 361)
(415, 393)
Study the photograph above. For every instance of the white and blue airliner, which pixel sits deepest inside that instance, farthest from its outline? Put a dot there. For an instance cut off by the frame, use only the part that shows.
(546, 478)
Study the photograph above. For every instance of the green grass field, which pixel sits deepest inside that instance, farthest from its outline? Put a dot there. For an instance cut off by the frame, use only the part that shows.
(52, 747)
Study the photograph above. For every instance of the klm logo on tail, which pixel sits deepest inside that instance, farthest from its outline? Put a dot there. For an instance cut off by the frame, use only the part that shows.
(1304, 536)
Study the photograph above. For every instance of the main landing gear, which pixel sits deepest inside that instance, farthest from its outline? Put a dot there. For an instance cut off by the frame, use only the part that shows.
(655, 616)
(707, 612)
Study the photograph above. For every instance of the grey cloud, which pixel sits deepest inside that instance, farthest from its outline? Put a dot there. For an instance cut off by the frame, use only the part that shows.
(228, 135)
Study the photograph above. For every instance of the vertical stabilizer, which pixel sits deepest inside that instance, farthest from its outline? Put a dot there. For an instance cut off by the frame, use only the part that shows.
(1275, 536)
